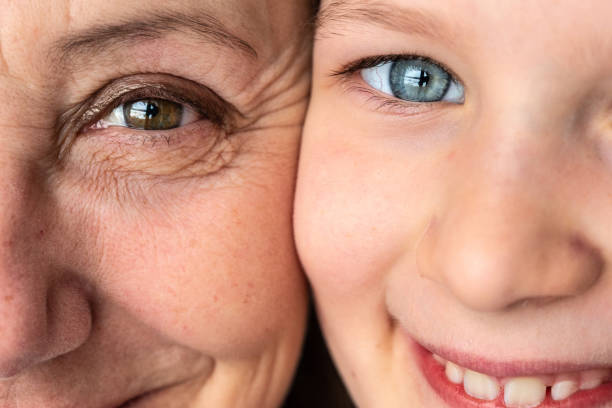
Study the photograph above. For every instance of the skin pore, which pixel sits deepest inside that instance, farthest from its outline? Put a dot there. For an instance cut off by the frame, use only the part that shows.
(475, 224)
(147, 169)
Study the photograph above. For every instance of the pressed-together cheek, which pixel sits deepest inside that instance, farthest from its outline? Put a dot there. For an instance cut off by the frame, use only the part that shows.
(364, 197)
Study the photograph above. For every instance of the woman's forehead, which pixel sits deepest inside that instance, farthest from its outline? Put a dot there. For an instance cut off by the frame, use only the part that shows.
(241, 24)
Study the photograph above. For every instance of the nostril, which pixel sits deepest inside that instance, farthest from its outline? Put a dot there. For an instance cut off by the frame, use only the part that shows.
(69, 318)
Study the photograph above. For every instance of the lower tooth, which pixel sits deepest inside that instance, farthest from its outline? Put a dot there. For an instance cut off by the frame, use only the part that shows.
(480, 386)
(524, 392)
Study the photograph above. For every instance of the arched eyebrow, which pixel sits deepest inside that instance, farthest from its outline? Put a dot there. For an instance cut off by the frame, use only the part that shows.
(98, 39)
(344, 16)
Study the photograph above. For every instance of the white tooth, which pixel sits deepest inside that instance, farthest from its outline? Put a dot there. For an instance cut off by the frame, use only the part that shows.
(592, 379)
(480, 386)
(454, 373)
(524, 392)
(563, 389)
(439, 359)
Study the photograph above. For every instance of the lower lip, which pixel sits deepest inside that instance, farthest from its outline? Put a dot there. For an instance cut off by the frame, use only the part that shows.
(455, 396)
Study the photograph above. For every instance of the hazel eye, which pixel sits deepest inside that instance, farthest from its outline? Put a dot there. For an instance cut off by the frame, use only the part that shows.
(414, 79)
(149, 114)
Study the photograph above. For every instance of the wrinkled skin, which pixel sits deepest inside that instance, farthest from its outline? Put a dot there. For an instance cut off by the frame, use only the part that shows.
(158, 262)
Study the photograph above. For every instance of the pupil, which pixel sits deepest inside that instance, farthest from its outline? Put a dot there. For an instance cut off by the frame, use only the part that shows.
(152, 110)
(424, 78)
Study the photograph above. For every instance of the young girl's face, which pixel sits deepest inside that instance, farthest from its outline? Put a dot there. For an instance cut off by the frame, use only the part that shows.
(455, 197)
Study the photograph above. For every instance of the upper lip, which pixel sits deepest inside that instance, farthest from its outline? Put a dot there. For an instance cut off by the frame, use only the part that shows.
(513, 368)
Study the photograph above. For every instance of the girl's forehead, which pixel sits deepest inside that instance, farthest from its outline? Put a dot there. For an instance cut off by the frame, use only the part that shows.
(482, 35)
(447, 19)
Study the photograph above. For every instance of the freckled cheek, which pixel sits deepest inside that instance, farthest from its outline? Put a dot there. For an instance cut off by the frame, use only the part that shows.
(216, 277)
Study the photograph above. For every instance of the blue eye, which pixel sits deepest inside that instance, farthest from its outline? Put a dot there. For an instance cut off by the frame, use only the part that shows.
(414, 79)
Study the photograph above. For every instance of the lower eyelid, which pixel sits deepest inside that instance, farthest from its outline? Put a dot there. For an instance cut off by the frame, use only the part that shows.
(154, 143)
(197, 150)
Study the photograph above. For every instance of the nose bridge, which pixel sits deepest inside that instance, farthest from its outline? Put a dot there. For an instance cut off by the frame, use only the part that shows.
(499, 240)
(22, 286)
(44, 312)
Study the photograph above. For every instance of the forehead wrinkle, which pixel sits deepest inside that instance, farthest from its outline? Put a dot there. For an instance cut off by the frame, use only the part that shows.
(343, 15)
(153, 26)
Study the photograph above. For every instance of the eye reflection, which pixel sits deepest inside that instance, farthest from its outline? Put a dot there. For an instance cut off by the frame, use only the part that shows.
(149, 114)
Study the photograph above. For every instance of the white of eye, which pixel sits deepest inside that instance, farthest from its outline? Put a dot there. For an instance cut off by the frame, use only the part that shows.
(379, 78)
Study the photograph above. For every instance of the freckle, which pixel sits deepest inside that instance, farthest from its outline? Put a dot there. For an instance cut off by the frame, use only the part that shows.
(8, 298)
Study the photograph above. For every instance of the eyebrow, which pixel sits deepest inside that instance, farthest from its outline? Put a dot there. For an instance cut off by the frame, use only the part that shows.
(341, 15)
(152, 26)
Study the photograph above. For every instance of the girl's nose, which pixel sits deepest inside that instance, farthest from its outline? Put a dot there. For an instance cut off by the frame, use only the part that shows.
(505, 234)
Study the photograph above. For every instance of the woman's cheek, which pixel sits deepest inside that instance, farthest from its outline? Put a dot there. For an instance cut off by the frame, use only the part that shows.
(185, 256)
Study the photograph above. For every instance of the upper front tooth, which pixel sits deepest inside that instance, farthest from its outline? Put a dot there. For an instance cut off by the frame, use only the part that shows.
(563, 389)
(480, 386)
(454, 373)
(524, 392)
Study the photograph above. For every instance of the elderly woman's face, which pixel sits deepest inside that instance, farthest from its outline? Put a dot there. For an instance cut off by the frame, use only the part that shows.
(147, 168)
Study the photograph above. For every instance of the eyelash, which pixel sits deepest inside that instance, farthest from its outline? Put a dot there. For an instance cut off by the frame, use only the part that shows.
(77, 121)
(386, 103)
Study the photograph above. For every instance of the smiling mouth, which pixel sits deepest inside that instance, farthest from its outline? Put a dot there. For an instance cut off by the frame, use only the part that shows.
(463, 387)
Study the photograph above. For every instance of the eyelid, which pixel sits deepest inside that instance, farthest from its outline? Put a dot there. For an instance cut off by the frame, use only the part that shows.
(387, 102)
(142, 86)
(156, 91)
(372, 61)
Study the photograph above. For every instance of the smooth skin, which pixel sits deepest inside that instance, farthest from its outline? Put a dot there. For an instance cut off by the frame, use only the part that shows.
(482, 227)
(157, 265)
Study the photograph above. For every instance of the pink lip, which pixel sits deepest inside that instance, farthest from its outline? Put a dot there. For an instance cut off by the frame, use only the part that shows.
(514, 368)
(455, 396)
